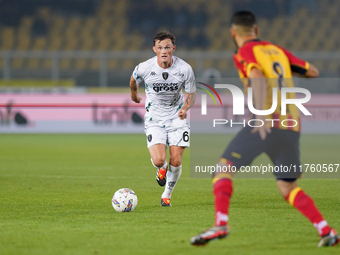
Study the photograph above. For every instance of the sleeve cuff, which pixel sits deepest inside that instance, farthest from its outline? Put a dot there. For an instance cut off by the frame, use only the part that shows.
(307, 66)
(250, 66)
(191, 90)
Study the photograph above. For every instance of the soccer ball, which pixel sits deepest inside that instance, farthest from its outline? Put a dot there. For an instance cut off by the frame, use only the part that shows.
(124, 200)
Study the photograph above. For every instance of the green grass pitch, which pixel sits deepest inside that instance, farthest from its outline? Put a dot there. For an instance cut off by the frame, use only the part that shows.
(56, 190)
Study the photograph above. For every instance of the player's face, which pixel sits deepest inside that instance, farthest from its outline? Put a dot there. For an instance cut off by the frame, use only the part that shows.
(164, 50)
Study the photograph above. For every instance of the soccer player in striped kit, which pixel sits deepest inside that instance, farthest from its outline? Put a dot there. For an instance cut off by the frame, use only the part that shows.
(264, 66)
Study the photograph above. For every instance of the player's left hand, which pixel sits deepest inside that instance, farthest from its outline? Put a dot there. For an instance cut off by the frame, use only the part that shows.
(182, 114)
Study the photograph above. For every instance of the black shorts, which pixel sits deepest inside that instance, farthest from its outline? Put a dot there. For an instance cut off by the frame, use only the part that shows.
(282, 147)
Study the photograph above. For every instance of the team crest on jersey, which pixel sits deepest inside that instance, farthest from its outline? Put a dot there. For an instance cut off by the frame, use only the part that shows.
(165, 75)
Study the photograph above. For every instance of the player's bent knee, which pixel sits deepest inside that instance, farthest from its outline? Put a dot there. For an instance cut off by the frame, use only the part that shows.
(175, 162)
(158, 162)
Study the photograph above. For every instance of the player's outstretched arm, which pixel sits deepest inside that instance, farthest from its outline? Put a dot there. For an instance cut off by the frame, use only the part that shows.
(259, 85)
(134, 90)
(189, 101)
(312, 72)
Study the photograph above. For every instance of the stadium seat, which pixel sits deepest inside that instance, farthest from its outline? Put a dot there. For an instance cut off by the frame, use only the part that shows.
(47, 64)
(33, 63)
(112, 64)
(94, 64)
(8, 38)
(55, 43)
(333, 66)
(17, 63)
(39, 43)
(65, 63)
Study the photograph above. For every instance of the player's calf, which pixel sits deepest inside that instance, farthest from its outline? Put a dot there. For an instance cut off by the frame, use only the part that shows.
(172, 177)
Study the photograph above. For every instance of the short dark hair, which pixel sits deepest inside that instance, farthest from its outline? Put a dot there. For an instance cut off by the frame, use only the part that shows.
(164, 35)
(243, 18)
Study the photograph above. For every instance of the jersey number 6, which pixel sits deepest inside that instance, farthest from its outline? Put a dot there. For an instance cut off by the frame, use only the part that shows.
(186, 136)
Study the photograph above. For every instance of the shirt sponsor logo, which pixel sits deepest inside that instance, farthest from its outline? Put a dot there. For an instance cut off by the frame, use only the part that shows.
(157, 87)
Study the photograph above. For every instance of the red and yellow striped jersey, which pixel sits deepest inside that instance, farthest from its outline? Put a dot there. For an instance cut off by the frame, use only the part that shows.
(277, 65)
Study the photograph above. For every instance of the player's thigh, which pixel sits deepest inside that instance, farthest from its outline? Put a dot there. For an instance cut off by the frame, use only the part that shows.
(244, 148)
(155, 135)
(176, 154)
(284, 151)
(156, 138)
(158, 154)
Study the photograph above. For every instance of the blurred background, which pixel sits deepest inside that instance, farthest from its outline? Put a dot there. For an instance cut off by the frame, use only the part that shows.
(84, 47)
(97, 43)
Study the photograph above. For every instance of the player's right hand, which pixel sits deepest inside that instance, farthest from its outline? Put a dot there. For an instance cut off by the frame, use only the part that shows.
(263, 130)
(137, 99)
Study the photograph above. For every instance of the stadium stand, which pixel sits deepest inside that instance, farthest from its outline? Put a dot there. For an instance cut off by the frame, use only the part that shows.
(129, 25)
